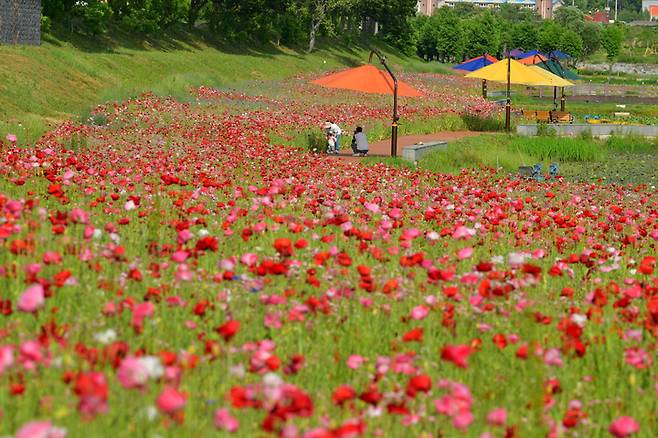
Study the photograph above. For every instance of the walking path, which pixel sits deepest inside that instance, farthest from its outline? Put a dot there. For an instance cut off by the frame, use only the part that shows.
(383, 147)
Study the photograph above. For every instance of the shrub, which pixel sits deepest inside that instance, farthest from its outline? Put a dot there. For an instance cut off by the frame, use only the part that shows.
(543, 130)
(476, 123)
(46, 24)
(316, 142)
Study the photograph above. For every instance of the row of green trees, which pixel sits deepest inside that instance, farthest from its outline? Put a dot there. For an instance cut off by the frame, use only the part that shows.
(465, 31)
(285, 21)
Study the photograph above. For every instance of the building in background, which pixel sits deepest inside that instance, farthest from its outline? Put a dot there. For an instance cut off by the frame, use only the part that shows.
(545, 8)
(599, 17)
(20, 22)
(651, 6)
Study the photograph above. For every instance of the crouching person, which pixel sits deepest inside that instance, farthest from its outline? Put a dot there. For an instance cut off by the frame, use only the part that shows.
(359, 143)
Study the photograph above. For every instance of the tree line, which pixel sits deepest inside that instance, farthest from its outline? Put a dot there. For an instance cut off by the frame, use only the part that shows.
(453, 34)
(280, 21)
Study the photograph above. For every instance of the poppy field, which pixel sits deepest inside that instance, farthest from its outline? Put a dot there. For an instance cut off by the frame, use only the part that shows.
(171, 272)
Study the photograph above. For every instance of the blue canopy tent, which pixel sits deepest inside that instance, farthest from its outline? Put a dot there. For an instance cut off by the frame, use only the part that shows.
(477, 63)
(531, 53)
(516, 53)
(559, 55)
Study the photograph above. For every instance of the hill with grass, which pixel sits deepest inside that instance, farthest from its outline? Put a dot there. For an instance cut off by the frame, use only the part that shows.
(66, 77)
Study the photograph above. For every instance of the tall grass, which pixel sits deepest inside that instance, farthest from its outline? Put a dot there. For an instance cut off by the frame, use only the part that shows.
(631, 144)
(559, 148)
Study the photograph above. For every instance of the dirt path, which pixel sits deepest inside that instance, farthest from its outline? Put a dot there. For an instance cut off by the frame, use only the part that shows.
(383, 147)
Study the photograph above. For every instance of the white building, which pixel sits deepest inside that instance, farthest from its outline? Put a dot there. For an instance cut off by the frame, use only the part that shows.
(651, 6)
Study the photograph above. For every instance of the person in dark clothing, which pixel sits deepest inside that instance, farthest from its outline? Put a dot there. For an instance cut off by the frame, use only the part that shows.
(359, 143)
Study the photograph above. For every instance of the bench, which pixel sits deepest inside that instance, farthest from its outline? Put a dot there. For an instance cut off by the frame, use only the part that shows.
(529, 114)
(415, 152)
(561, 117)
(543, 116)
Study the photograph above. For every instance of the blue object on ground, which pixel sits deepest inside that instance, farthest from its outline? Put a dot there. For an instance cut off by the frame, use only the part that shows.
(552, 170)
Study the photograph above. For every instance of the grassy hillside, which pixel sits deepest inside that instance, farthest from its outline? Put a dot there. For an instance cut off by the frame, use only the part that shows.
(64, 78)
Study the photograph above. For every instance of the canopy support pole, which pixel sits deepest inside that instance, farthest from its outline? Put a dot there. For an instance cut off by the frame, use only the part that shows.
(554, 98)
(561, 72)
(396, 118)
(484, 81)
(508, 105)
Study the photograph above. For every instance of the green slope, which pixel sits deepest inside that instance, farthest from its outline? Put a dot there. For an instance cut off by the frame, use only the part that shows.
(42, 86)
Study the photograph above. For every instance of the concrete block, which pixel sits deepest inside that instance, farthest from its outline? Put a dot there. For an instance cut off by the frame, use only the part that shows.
(415, 152)
(597, 130)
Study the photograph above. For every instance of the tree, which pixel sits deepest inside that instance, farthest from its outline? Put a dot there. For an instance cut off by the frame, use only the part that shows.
(550, 36)
(426, 37)
(481, 35)
(517, 14)
(525, 36)
(571, 43)
(318, 12)
(591, 37)
(570, 18)
(449, 44)
(194, 11)
(612, 38)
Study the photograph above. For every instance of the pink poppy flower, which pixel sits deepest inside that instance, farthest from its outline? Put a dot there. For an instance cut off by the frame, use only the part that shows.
(225, 421)
(6, 358)
(32, 299)
(420, 312)
(465, 253)
(355, 361)
(497, 417)
(624, 426)
(132, 373)
(40, 429)
(171, 401)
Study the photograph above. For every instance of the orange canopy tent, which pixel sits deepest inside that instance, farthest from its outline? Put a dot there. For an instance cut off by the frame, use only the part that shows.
(532, 60)
(367, 79)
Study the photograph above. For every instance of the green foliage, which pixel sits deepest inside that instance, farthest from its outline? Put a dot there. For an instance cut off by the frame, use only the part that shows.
(483, 124)
(559, 148)
(46, 24)
(482, 35)
(93, 16)
(570, 18)
(550, 36)
(316, 142)
(291, 22)
(453, 34)
(571, 43)
(525, 35)
(591, 37)
(612, 38)
(544, 130)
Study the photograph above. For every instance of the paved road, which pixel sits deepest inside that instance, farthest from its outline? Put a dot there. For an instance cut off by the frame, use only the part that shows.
(384, 147)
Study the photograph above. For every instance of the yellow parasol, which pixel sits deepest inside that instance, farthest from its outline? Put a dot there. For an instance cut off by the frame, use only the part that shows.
(509, 70)
(555, 80)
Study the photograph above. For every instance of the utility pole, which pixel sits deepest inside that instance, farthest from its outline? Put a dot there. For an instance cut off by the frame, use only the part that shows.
(615, 11)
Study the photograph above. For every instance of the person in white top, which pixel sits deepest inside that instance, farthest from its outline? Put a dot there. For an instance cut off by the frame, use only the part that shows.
(333, 130)
(359, 143)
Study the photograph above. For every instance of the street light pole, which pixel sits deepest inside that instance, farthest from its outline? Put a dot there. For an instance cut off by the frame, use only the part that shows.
(396, 118)
(615, 11)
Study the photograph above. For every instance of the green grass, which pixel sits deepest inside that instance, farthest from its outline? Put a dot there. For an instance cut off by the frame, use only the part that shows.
(639, 112)
(64, 78)
(577, 156)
